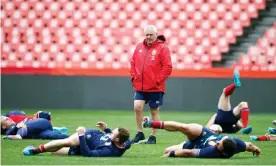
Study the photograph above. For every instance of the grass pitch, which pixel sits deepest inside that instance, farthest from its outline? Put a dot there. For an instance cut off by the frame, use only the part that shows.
(11, 150)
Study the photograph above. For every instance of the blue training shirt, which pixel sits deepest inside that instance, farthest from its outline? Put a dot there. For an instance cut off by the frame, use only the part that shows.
(208, 149)
(97, 144)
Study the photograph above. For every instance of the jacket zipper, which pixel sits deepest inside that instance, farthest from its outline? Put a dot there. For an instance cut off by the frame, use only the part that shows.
(143, 69)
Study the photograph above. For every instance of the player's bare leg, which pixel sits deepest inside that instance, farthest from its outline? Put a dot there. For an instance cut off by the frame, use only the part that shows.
(62, 151)
(192, 131)
(224, 100)
(155, 116)
(139, 113)
(267, 137)
(53, 146)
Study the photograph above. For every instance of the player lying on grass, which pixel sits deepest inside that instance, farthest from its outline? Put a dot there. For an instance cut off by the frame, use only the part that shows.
(202, 142)
(36, 129)
(18, 116)
(271, 136)
(227, 117)
(88, 142)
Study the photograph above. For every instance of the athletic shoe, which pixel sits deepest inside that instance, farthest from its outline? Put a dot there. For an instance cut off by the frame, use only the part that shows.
(274, 122)
(151, 140)
(147, 122)
(60, 129)
(253, 138)
(247, 130)
(139, 136)
(29, 150)
(271, 130)
(237, 81)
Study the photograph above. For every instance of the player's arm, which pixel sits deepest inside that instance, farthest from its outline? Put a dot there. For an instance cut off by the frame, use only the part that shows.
(103, 126)
(252, 148)
(166, 63)
(211, 121)
(210, 152)
(132, 67)
(182, 153)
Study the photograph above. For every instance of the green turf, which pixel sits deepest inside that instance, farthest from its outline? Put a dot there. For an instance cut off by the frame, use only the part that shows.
(138, 154)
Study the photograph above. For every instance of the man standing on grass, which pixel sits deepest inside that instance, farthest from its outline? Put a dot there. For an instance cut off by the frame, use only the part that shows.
(150, 67)
(88, 143)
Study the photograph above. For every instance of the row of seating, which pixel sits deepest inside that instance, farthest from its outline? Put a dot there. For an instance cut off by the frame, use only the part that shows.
(261, 56)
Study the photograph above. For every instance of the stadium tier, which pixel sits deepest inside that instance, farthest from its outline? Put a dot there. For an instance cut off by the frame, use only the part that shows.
(83, 34)
(262, 56)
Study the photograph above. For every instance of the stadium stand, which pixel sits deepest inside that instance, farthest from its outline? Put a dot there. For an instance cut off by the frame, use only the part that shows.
(262, 56)
(84, 34)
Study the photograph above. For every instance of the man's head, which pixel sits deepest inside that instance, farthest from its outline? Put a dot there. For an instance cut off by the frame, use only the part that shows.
(150, 32)
(227, 146)
(120, 135)
(6, 123)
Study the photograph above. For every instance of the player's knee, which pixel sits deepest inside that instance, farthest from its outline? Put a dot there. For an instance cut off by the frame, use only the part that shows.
(138, 107)
(243, 104)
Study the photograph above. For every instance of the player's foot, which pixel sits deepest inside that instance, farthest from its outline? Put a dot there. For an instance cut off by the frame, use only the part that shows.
(151, 140)
(60, 129)
(147, 122)
(237, 81)
(29, 150)
(274, 122)
(253, 138)
(271, 130)
(247, 130)
(139, 136)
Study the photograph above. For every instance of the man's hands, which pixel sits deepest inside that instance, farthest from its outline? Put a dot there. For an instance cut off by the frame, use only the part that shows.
(101, 125)
(253, 148)
(81, 130)
(256, 151)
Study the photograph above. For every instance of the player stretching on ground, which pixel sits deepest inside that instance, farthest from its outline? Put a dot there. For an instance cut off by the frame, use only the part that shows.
(35, 129)
(227, 117)
(202, 142)
(88, 142)
(267, 137)
(18, 116)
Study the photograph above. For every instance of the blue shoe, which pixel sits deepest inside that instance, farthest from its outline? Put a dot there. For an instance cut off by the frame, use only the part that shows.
(151, 140)
(271, 130)
(274, 122)
(247, 130)
(147, 122)
(60, 129)
(139, 138)
(237, 81)
(253, 138)
(29, 150)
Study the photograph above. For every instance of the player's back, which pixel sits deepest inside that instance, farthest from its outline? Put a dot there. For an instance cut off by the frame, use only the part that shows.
(97, 140)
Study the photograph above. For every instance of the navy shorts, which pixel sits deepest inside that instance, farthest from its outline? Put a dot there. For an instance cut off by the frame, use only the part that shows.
(205, 134)
(155, 99)
(227, 120)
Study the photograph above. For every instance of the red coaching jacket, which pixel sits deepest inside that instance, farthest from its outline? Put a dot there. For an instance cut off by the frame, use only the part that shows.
(151, 66)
